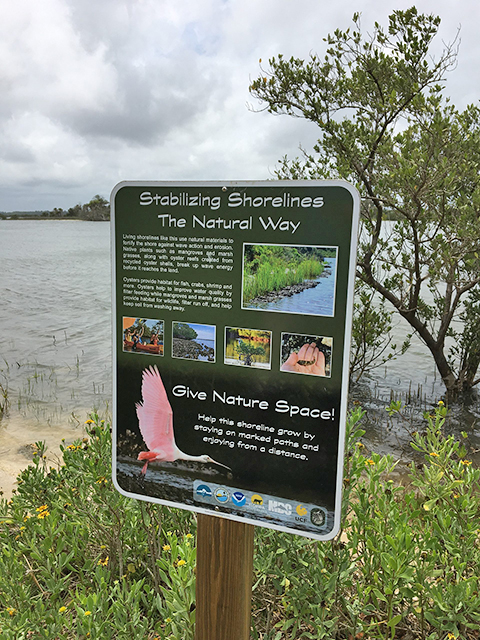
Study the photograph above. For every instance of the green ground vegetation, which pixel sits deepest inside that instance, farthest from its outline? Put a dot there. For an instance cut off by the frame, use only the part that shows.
(80, 561)
(273, 267)
(248, 352)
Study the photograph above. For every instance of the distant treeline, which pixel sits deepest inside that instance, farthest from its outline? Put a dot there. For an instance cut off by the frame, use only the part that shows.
(97, 209)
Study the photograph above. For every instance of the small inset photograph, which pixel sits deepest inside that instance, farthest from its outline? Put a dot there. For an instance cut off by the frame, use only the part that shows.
(248, 347)
(192, 341)
(142, 335)
(309, 355)
(289, 278)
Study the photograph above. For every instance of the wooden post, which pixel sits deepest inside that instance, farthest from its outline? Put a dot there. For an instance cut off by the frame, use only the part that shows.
(224, 579)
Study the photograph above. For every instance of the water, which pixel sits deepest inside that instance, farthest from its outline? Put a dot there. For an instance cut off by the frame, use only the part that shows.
(55, 346)
(209, 344)
(318, 301)
(55, 341)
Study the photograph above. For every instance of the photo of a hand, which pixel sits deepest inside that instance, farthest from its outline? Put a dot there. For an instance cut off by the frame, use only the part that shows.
(309, 360)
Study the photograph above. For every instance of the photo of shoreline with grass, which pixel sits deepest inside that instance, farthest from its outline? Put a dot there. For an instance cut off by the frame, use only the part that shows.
(143, 335)
(289, 278)
(248, 347)
(193, 341)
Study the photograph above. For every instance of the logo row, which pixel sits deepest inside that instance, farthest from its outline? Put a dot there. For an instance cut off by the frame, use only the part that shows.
(253, 502)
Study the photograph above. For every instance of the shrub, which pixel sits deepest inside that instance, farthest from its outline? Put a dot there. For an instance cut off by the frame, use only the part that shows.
(79, 560)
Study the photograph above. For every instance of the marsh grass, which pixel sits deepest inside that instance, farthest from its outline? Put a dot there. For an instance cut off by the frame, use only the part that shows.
(80, 561)
(4, 401)
(276, 273)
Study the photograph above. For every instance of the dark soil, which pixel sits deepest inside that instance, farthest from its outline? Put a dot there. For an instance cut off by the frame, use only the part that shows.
(286, 292)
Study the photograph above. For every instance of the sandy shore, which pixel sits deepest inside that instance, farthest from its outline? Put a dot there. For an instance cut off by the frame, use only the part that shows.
(18, 435)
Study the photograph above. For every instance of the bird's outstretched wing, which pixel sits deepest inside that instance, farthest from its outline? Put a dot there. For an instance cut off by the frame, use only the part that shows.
(155, 415)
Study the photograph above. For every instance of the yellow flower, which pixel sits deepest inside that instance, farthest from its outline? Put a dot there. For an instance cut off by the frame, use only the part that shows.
(180, 563)
(11, 610)
(88, 613)
(89, 421)
(62, 609)
(441, 403)
(44, 507)
(466, 462)
(103, 563)
(166, 547)
(168, 619)
(44, 514)
(433, 454)
(369, 462)
(450, 636)
(189, 535)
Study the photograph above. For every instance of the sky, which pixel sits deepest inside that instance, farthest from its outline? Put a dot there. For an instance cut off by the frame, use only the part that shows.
(93, 93)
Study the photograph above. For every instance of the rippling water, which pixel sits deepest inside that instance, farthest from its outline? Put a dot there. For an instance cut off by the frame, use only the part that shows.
(55, 338)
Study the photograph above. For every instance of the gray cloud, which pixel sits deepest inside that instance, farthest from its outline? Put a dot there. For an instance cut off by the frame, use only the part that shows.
(95, 93)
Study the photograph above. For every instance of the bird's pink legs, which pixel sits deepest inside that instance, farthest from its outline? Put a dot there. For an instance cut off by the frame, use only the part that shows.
(148, 456)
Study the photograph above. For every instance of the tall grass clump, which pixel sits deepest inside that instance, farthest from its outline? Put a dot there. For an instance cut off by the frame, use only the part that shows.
(275, 274)
(80, 561)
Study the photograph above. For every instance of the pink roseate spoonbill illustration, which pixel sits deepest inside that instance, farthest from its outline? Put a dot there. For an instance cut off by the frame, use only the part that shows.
(155, 419)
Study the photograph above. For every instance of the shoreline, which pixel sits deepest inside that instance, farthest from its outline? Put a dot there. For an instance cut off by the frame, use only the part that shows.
(285, 292)
(191, 350)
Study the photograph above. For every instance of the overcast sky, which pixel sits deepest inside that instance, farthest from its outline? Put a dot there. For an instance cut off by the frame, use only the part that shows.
(95, 92)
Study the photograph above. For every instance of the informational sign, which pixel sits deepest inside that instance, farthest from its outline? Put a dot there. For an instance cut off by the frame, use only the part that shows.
(232, 320)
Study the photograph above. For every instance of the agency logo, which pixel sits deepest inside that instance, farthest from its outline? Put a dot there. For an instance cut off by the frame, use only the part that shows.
(221, 494)
(318, 517)
(238, 498)
(301, 510)
(282, 508)
(257, 500)
(204, 491)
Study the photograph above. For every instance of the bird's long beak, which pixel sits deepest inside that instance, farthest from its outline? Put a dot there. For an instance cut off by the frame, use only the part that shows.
(220, 464)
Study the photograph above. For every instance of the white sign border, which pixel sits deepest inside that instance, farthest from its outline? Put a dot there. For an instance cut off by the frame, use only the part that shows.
(346, 357)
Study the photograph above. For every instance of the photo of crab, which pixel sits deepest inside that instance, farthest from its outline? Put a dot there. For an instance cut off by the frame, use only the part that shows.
(248, 347)
(308, 355)
(143, 335)
(289, 278)
(193, 341)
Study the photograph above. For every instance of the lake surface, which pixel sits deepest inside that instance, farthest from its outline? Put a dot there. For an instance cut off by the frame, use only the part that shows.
(55, 346)
(55, 339)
